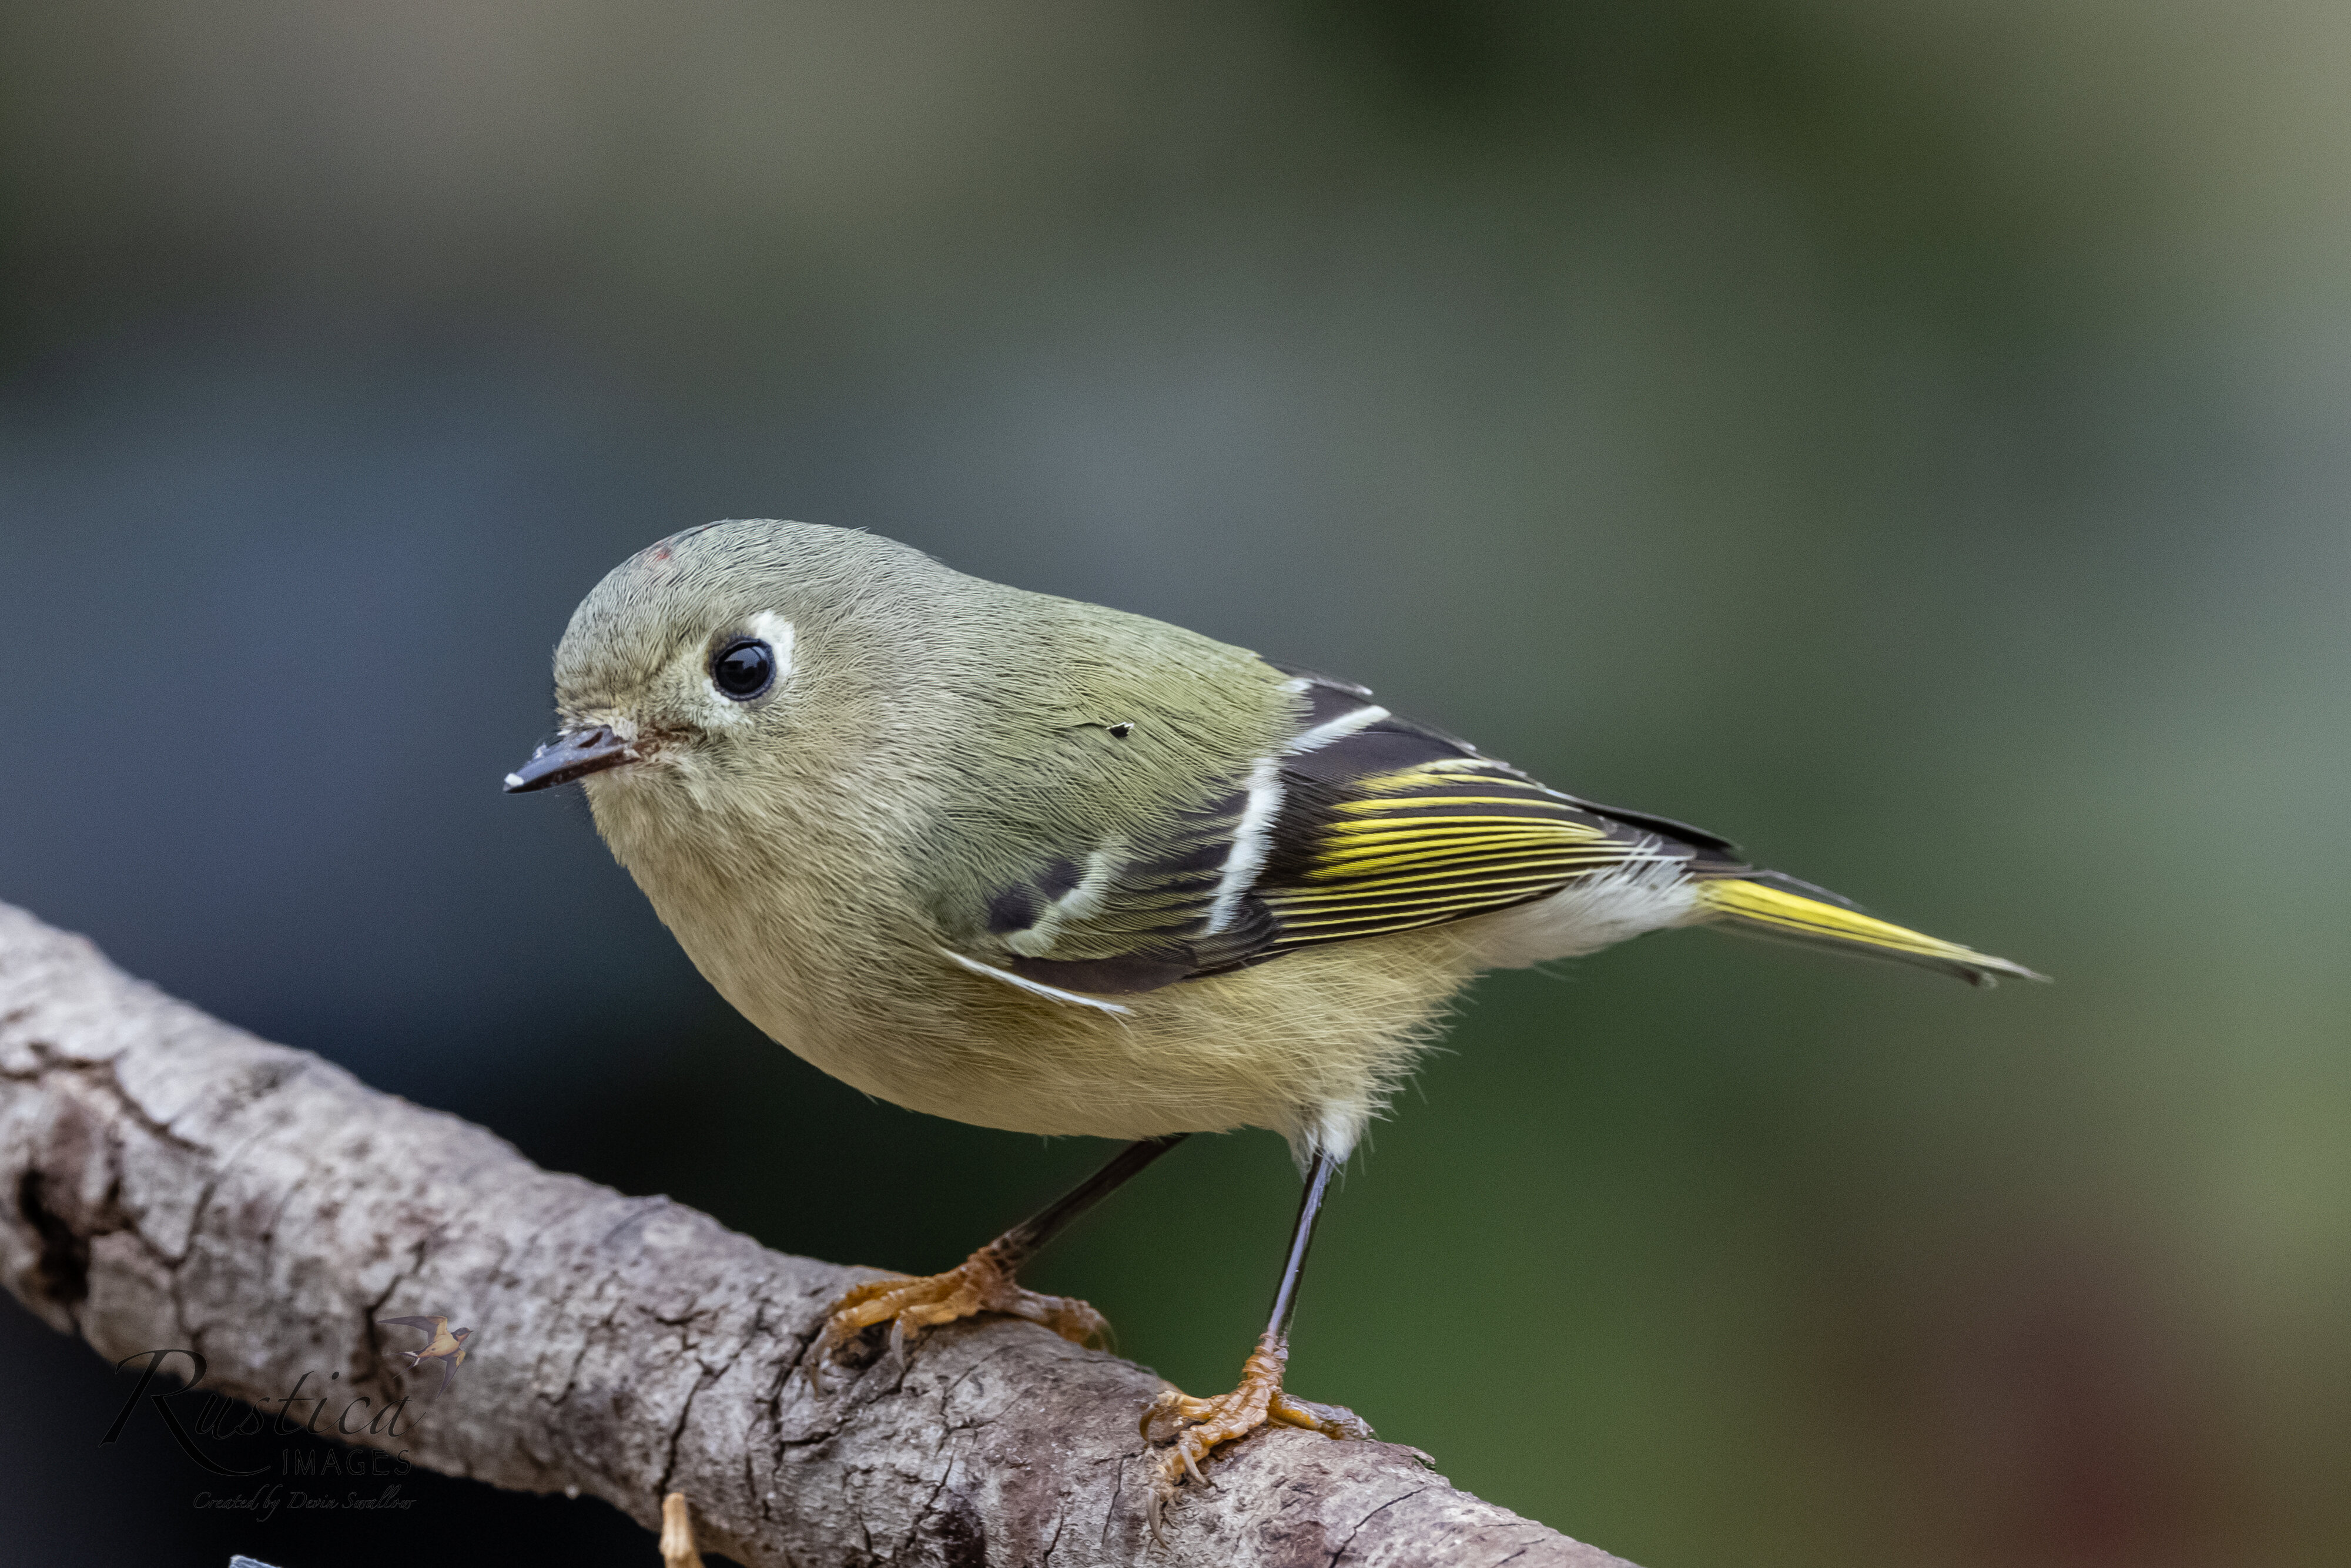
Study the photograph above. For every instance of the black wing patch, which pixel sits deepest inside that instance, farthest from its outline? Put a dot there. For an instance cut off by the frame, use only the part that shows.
(1134, 918)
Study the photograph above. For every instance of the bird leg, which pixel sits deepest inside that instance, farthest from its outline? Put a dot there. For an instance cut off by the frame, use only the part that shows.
(984, 1281)
(1198, 1426)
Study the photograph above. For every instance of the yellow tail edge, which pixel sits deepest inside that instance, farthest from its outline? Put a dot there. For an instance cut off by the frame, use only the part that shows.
(1767, 911)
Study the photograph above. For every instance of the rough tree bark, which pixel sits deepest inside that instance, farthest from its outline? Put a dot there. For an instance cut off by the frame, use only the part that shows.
(173, 1181)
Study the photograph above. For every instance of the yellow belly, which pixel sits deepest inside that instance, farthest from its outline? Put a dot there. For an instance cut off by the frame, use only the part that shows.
(1308, 1045)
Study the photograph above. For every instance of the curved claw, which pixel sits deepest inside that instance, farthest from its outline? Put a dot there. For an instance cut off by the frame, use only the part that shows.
(1184, 1452)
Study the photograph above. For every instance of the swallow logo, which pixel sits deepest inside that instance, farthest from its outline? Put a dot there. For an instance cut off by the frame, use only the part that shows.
(446, 1346)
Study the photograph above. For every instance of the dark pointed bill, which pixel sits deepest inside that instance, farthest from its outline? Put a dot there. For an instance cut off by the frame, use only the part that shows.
(569, 753)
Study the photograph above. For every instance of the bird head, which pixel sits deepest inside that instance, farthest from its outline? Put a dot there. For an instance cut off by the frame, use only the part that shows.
(736, 652)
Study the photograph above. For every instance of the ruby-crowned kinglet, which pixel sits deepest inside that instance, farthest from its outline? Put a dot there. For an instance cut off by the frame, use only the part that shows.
(1041, 865)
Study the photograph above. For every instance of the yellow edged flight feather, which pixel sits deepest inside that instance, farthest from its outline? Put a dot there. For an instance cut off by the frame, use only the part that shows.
(1767, 911)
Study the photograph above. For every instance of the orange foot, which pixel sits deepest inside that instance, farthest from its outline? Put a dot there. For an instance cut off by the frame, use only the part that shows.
(1200, 1424)
(981, 1283)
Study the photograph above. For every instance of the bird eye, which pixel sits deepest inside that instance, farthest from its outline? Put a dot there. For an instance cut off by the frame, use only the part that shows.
(742, 670)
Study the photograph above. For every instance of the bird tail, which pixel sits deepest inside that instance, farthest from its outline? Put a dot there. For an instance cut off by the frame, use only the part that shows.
(1818, 918)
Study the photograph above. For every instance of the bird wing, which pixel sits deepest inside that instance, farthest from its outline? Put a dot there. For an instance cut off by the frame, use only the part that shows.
(1397, 827)
(1363, 824)
(429, 1325)
(1142, 909)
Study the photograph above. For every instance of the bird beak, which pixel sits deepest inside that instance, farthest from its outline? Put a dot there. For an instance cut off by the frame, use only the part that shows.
(569, 753)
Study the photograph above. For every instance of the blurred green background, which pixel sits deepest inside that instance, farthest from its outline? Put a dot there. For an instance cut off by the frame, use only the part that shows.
(1908, 438)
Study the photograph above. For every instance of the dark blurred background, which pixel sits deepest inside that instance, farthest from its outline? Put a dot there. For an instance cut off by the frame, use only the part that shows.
(1908, 438)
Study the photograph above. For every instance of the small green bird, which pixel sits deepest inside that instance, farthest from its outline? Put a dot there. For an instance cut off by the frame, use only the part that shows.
(1041, 865)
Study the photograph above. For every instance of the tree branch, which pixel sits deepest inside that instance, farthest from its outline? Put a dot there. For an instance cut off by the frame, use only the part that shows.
(170, 1181)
